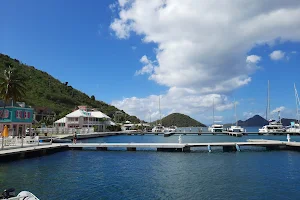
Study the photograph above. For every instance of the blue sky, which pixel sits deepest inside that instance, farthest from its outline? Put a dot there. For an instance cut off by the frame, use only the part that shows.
(128, 53)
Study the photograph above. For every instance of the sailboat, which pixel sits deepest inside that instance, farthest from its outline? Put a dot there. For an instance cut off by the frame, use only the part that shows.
(159, 128)
(295, 126)
(235, 128)
(273, 126)
(215, 127)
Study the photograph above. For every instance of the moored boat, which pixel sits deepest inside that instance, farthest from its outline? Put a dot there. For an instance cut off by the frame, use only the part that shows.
(9, 194)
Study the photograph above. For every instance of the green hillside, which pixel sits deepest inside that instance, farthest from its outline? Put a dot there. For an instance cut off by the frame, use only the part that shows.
(43, 90)
(180, 120)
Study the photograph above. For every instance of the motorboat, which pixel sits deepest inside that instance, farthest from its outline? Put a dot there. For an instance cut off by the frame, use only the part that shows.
(9, 194)
(272, 127)
(158, 129)
(171, 129)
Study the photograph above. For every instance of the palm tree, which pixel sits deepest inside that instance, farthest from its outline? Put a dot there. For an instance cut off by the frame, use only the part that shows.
(11, 86)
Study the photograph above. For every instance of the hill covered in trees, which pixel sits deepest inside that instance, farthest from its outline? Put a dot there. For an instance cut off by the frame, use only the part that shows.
(180, 120)
(43, 90)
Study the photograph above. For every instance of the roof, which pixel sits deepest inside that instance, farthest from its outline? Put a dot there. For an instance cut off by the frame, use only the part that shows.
(79, 113)
(62, 120)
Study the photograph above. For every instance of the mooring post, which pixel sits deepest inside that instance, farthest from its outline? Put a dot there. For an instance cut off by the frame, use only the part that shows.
(209, 148)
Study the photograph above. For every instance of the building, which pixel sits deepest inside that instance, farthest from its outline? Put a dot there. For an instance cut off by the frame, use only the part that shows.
(41, 113)
(85, 118)
(17, 116)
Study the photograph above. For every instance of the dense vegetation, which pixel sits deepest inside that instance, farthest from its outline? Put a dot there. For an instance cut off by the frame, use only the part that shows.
(180, 120)
(43, 90)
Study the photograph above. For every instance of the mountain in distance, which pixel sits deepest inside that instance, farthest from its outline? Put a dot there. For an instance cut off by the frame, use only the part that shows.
(179, 120)
(256, 120)
(287, 122)
(43, 90)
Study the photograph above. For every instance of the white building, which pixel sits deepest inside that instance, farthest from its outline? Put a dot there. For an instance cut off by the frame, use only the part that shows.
(85, 119)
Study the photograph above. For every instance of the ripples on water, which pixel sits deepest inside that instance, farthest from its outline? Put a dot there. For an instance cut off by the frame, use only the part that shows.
(157, 175)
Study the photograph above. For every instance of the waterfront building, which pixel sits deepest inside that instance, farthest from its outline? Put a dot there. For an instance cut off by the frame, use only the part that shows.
(85, 118)
(17, 117)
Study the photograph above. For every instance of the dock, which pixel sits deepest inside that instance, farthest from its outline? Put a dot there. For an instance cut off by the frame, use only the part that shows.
(182, 147)
(9, 154)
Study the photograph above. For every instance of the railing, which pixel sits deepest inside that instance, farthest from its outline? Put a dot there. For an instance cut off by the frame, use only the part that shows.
(62, 130)
(12, 142)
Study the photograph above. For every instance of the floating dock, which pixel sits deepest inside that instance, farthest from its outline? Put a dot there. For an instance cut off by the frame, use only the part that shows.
(44, 149)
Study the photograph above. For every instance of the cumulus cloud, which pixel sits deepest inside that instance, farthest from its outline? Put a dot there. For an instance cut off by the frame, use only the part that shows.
(277, 55)
(181, 100)
(148, 66)
(279, 109)
(202, 46)
(253, 59)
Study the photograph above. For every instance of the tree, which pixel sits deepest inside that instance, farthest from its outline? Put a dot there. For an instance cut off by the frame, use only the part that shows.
(11, 86)
(93, 97)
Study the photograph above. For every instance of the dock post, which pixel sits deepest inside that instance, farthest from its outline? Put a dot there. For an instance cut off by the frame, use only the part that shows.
(101, 148)
(131, 148)
(237, 147)
(209, 148)
(186, 149)
(229, 148)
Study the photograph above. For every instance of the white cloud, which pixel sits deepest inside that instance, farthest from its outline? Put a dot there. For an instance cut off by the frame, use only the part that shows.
(276, 110)
(294, 52)
(133, 48)
(113, 6)
(148, 66)
(203, 45)
(253, 59)
(181, 100)
(277, 55)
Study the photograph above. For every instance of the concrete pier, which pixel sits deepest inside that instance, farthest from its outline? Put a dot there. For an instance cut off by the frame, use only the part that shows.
(43, 149)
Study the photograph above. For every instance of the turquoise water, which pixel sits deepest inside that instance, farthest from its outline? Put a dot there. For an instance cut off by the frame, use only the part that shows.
(88, 174)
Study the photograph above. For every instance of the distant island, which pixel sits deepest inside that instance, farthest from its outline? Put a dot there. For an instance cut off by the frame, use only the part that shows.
(179, 120)
(258, 120)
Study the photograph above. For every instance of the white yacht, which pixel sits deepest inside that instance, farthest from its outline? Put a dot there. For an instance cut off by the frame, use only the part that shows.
(295, 126)
(215, 127)
(158, 129)
(272, 127)
(235, 128)
(171, 129)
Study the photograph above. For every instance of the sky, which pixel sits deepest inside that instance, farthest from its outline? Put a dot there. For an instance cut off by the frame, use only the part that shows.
(191, 56)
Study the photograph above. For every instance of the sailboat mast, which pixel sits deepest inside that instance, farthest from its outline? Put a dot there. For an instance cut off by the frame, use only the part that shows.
(236, 122)
(213, 110)
(159, 109)
(268, 101)
(297, 102)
